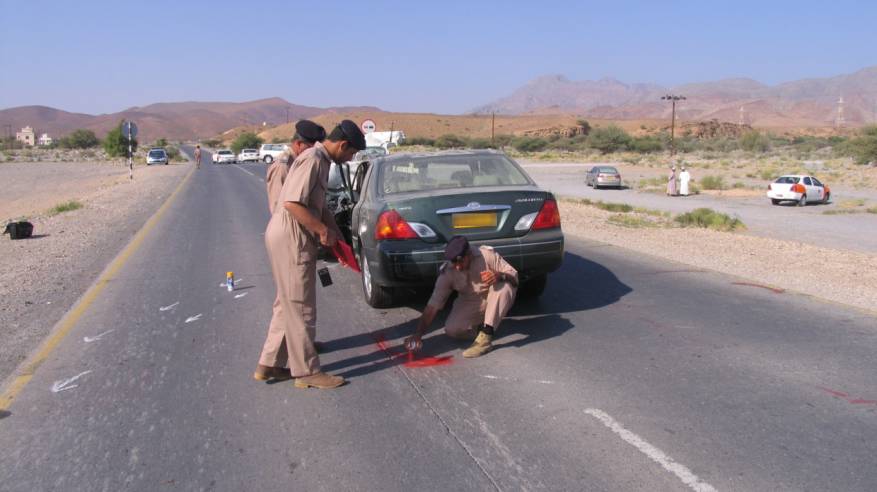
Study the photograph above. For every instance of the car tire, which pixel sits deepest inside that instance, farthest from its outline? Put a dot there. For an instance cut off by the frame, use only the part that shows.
(803, 201)
(774, 201)
(376, 296)
(533, 287)
(268, 159)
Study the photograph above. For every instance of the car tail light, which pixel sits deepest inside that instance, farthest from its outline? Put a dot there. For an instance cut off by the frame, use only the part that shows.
(549, 216)
(391, 225)
(798, 188)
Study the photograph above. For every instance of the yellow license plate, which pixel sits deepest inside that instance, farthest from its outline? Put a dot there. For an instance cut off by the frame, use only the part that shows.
(474, 220)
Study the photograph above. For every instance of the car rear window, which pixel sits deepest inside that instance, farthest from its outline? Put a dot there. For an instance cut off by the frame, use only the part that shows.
(225, 152)
(156, 153)
(787, 180)
(445, 172)
(608, 170)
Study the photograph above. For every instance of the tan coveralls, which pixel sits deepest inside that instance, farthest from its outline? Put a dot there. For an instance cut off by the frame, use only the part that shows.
(275, 177)
(476, 302)
(292, 251)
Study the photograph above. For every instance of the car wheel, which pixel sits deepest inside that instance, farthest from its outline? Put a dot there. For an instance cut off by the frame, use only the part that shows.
(376, 296)
(268, 159)
(774, 201)
(827, 198)
(533, 287)
(803, 201)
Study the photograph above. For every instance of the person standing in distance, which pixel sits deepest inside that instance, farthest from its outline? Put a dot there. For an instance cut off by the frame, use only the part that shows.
(302, 221)
(307, 133)
(198, 156)
(486, 286)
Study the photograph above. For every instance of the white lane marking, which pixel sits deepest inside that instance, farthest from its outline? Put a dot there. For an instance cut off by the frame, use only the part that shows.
(66, 384)
(655, 454)
(516, 380)
(240, 295)
(166, 308)
(96, 337)
(244, 170)
(194, 318)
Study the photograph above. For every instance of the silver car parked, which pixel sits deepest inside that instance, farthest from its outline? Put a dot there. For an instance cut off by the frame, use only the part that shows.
(600, 176)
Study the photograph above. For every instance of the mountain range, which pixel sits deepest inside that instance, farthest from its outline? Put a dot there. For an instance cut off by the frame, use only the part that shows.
(801, 103)
(174, 121)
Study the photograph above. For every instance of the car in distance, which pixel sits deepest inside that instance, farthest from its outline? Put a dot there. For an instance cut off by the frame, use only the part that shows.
(798, 188)
(269, 152)
(224, 155)
(600, 176)
(248, 155)
(156, 156)
(407, 207)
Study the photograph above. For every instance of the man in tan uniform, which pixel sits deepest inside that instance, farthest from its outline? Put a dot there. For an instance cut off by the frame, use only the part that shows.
(486, 285)
(198, 156)
(300, 222)
(307, 133)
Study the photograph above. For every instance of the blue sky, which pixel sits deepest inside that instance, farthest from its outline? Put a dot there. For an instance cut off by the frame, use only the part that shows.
(444, 57)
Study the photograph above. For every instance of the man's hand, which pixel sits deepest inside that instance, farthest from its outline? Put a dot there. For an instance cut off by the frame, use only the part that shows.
(328, 237)
(413, 343)
(488, 277)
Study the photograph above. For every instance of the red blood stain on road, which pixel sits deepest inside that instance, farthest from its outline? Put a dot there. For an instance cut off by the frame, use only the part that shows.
(834, 393)
(413, 362)
(772, 289)
(863, 402)
(845, 396)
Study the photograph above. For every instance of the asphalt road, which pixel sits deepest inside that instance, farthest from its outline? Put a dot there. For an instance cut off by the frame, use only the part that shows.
(629, 374)
(857, 232)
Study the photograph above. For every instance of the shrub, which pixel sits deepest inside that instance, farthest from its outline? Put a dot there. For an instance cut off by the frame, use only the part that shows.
(116, 144)
(212, 142)
(449, 141)
(609, 139)
(645, 145)
(713, 183)
(708, 218)
(754, 142)
(81, 139)
(614, 207)
(246, 140)
(481, 143)
(65, 207)
(161, 142)
(529, 144)
(173, 153)
(862, 149)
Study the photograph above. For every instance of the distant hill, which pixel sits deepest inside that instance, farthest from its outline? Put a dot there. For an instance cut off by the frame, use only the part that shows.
(802, 103)
(174, 121)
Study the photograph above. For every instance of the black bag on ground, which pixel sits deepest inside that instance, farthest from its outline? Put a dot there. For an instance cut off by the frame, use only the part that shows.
(19, 230)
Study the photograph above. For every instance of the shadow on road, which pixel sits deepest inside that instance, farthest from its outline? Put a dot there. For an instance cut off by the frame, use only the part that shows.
(579, 285)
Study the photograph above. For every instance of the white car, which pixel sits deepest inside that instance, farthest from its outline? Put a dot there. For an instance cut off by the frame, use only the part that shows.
(248, 155)
(269, 152)
(798, 188)
(223, 155)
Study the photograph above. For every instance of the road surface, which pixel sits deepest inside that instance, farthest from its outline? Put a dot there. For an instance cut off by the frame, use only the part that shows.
(631, 373)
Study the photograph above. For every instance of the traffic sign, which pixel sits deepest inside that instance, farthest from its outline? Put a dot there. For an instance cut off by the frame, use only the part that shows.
(129, 126)
(368, 126)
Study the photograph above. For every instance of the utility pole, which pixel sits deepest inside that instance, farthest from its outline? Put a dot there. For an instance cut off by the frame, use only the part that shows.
(673, 98)
(392, 124)
(840, 121)
(287, 116)
(493, 129)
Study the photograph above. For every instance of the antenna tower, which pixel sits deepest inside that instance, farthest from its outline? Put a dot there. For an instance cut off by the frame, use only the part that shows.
(839, 121)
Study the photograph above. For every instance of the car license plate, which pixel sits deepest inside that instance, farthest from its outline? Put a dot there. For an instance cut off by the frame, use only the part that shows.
(474, 220)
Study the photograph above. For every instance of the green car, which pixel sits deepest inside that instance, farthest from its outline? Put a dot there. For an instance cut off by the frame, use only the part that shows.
(399, 212)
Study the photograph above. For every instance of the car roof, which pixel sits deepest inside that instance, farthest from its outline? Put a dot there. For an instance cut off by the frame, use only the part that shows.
(414, 155)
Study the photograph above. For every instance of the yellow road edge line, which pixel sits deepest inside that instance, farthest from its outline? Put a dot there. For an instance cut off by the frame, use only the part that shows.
(72, 317)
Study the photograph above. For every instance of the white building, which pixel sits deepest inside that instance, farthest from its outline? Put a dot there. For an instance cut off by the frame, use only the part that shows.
(45, 140)
(26, 136)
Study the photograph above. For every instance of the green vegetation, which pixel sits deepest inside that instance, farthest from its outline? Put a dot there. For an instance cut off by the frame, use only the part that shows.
(614, 207)
(449, 141)
(708, 218)
(863, 148)
(116, 144)
(609, 139)
(755, 142)
(246, 141)
(713, 183)
(529, 144)
(212, 143)
(64, 207)
(632, 221)
(80, 139)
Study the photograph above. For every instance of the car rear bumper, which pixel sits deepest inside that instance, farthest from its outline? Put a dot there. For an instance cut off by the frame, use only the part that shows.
(608, 182)
(788, 195)
(414, 263)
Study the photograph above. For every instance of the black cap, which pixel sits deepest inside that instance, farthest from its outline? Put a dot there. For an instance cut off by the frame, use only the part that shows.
(457, 248)
(309, 131)
(352, 134)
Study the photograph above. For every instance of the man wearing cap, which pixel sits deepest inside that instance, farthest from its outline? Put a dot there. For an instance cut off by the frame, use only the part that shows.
(302, 221)
(486, 285)
(307, 133)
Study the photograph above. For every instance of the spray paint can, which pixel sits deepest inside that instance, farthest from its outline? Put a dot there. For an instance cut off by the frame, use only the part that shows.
(229, 281)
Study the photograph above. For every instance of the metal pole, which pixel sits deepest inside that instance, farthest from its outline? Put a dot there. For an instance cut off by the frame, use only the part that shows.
(287, 116)
(392, 125)
(493, 129)
(130, 155)
(673, 130)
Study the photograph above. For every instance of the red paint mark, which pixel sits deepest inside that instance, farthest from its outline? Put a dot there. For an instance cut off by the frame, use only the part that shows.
(863, 402)
(430, 361)
(772, 289)
(834, 393)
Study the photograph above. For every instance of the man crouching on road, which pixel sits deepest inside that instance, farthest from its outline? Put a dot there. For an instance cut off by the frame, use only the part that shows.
(486, 285)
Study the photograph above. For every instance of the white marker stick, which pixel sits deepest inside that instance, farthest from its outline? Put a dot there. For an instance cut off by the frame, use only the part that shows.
(240, 295)
(167, 308)
(194, 318)
(66, 384)
(96, 337)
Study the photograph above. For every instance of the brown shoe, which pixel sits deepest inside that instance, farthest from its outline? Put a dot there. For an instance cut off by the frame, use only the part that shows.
(320, 380)
(480, 346)
(264, 373)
